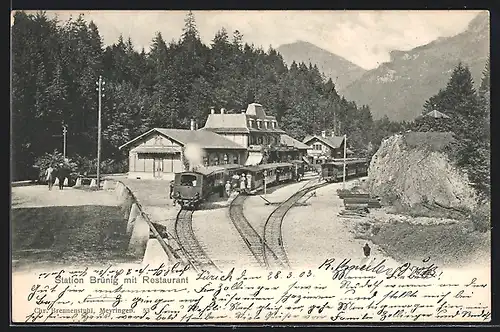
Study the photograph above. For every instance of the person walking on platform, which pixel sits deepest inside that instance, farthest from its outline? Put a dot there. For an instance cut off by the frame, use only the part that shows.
(49, 176)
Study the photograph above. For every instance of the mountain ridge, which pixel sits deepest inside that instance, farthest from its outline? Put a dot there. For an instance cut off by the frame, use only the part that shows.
(399, 88)
(339, 69)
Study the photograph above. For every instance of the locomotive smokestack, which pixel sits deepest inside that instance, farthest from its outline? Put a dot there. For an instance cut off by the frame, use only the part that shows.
(192, 124)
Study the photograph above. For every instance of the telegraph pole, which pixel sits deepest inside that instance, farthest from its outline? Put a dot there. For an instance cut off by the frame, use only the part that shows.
(345, 152)
(100, 84)
(65, 130)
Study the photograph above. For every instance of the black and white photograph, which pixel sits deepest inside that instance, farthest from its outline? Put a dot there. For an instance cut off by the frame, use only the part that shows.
(231, 166)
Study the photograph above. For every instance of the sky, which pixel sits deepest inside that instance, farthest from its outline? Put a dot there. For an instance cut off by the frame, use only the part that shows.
(362, 37)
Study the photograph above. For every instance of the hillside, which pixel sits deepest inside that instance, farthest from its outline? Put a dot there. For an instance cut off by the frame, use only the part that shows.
(400, 87)
(342, 71)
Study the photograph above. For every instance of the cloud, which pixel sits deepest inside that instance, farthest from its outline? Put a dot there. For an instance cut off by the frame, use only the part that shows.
(363, 37)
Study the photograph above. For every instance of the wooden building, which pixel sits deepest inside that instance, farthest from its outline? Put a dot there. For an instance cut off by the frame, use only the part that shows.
(159, 153)
(292, 149)
(322, 147)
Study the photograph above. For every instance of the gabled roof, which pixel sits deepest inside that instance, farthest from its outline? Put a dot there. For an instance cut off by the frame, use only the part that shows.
(436, 114)
(204, 138)
(333, 141)
(290, 141)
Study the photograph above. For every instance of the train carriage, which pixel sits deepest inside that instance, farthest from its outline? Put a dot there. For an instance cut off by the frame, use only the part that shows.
(299, 170)
(193, 187)
(334, 171)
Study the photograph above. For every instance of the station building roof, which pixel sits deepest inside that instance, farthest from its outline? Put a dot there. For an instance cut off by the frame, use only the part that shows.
(244, 122)
(205, 139)
(292, 142)
(334, 142)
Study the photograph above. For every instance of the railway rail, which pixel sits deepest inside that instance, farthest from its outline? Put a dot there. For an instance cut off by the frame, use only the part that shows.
(272, 229)
(188, 243)
(248, 233)
(268, 254)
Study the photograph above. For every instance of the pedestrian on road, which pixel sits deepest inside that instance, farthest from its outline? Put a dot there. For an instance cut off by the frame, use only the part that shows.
(49, 176)
(366, 250)
(61, 175)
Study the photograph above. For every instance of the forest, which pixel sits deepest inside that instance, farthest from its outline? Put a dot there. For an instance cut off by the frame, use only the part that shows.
(55, 67)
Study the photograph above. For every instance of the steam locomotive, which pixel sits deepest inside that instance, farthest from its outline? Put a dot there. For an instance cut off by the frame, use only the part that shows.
(191, 188)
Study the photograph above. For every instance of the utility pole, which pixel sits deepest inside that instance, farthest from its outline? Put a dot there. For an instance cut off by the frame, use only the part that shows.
(100, 84)
(345, 152)
(65, 130)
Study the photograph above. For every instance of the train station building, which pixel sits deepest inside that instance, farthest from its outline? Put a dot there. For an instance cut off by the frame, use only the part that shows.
(249, 137)
(159, 153)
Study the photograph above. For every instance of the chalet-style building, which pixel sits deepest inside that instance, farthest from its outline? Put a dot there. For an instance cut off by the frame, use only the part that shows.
(292, 149)
(322, 147)
(159, 153)
(252, 128)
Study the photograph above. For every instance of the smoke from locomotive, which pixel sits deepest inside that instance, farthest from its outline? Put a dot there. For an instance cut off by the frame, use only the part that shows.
(194, 155)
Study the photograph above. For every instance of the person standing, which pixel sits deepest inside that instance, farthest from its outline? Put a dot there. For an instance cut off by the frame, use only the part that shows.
(228, 188)
(242, 183)
(249, 181)
(49, 176)
(171, 193)
(366, 250)
(61, 175)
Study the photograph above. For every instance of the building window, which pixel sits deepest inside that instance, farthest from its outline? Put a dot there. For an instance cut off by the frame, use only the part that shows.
(205, 161)
(226, 158)
(258, 124)
(235, 159)
(259, 140)
(317, 147)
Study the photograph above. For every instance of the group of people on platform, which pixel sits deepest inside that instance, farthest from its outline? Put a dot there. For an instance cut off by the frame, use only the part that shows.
(56, 172)
(240, 183)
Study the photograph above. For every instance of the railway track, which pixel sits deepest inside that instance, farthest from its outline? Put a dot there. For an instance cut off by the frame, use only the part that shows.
(248, 233)
(189, 244)
(268, 254)
(277, 257)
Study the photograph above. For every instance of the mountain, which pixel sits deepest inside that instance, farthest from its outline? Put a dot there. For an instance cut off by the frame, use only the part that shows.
(400, 87)
(342, 71)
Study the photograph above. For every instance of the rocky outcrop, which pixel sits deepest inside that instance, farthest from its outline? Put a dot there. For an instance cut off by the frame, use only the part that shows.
(411, 169)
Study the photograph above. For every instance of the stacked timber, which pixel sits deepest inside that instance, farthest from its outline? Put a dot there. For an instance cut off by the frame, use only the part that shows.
(369, 202)
(357, 204)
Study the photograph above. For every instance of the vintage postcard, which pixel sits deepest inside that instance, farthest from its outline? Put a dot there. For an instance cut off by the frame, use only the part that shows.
(197, 167)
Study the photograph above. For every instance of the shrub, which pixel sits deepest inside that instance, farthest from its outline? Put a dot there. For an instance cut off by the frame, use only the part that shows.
(481, 217)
